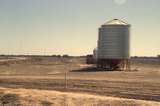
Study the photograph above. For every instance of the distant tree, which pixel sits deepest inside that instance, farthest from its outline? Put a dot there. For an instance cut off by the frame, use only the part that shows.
(54, 55)
(65, 55)
(58, 56)
(158, 56)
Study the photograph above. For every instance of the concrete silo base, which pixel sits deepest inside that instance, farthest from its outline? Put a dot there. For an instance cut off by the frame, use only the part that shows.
(114, 64)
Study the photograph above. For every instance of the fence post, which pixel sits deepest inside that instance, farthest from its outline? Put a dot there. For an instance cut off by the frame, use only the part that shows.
(65, 80)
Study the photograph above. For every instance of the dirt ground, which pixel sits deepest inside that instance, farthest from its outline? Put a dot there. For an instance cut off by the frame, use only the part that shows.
(48, 73)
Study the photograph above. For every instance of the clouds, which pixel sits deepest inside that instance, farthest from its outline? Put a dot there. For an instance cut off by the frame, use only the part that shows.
(120, 2)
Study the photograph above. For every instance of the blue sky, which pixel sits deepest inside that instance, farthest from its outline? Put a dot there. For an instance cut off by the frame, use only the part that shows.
(71, 26)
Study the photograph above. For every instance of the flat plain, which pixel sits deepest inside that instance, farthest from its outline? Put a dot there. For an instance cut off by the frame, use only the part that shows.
(49, 73)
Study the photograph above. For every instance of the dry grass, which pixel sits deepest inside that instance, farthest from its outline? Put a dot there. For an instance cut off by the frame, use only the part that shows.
(30, 97)
(48, 73)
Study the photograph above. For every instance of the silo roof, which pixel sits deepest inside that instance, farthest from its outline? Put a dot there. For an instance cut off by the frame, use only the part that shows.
(116, 22)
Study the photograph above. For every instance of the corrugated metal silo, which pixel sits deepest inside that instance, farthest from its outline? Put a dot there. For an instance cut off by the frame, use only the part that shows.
(114, 42)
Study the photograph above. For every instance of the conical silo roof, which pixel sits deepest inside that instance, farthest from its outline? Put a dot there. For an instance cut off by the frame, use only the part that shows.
(116, 22)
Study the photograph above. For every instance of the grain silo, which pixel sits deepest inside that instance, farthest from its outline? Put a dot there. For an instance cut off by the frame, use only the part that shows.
(114, 45)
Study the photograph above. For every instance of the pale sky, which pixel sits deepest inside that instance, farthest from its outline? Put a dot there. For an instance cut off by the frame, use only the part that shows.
(71, 26)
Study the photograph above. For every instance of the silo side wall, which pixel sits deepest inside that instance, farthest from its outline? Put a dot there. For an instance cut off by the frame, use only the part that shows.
(114, 42)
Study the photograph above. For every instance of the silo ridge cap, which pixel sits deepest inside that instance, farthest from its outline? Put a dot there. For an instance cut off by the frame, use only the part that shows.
(116, 22)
